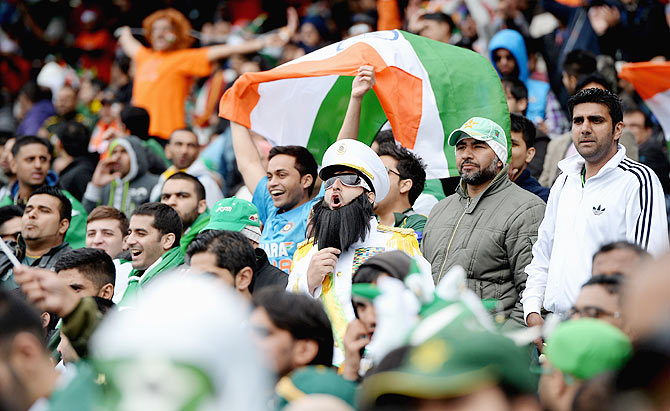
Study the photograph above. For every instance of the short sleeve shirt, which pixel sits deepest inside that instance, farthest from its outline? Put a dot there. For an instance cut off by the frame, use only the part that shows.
(162, 82)
(282, 232)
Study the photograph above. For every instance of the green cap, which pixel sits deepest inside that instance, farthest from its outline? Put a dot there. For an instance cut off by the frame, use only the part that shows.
(454, 364)
(314, 379)
(586, 347)
(368, 291)
(235, 214)
(482, 129)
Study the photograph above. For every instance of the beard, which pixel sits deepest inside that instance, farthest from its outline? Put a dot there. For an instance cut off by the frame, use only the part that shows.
(483, 175)
(342, 227)
(189, 219)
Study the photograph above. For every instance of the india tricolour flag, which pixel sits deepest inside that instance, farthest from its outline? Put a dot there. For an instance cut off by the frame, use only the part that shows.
(425, 89)
(652, 83)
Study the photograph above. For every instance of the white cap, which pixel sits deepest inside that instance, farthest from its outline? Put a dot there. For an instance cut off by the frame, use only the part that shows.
(359, 157)
(186, 329)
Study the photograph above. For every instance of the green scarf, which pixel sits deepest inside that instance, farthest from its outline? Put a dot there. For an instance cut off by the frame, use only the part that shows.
(137, 279)
(76, 234)
(190, 233)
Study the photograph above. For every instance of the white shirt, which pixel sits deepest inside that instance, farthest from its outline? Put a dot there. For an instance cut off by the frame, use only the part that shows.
(623, 201)
(121, 282)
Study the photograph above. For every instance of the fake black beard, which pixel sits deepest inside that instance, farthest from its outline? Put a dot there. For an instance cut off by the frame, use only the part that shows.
(342, 227)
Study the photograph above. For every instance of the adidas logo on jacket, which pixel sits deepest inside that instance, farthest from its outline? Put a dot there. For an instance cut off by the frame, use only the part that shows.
(623, 201)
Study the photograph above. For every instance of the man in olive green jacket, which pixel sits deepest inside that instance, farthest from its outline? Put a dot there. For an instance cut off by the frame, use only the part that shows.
(489, 225)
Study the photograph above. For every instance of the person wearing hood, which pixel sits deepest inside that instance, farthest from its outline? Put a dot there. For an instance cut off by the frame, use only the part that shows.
(122, 180)
(313, 33)
(31, 162)
(509, 57)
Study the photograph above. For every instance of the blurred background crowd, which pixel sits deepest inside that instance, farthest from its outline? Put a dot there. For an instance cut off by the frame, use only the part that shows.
(60, 60)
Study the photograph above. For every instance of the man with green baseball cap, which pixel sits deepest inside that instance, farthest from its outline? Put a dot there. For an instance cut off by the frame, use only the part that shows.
(577, 351)
(236, 214)
(489, 225)
(455, 370)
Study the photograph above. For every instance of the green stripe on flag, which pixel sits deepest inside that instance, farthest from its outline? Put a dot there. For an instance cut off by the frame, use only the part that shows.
(331, 114)
(465, 85)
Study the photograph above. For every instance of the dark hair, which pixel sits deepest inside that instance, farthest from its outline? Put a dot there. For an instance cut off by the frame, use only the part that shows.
(395, 263)
(300, 315)
(17, 316)
(123, 62)
(187, 129)
(65, 209)
(233, 250)
(441, 18)
(580, 62)
(385, 137)
(516, 88)
(631, 109)
(166, 219)
(97, 82)
(74, 137)
(93, 263)
(136, 120)
(621, 245)
(35, 93)
(521, 124)
(612, 283)
(304, 161)
(26, 140)
(367, 274)
(593, 77)
(600, 96)
(111, 213)
(409, 166)
(197, 185)
(9, 212)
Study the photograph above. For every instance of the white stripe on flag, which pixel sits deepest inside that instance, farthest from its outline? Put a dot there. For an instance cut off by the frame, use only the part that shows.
(659, 104)
(289, 108)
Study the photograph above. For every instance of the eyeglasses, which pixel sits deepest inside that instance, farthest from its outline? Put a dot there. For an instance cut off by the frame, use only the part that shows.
(591, 311)
(349, 180)
(394, 172)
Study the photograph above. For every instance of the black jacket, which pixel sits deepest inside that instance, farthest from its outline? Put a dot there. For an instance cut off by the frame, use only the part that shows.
(77, 174)
(653, 153)
(266, 274)
(48, 260)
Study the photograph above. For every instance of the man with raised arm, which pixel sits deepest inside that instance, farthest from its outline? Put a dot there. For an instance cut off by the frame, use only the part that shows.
(164, 72)
(282, 193)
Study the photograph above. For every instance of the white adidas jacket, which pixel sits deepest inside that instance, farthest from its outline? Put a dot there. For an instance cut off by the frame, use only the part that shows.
(623, 201)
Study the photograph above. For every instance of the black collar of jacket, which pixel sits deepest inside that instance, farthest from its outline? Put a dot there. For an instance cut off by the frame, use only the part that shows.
(499, 183)
(21, 248)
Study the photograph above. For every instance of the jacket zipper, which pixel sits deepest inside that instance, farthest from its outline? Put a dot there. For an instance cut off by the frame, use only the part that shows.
(446, 255)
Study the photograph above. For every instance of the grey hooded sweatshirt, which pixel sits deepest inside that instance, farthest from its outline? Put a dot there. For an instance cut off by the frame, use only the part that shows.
(129, 191)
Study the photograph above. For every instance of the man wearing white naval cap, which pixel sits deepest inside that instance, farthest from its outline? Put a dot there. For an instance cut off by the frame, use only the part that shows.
(343, 232)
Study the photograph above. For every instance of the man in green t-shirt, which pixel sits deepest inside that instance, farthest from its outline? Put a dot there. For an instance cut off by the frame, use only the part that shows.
(186, 195)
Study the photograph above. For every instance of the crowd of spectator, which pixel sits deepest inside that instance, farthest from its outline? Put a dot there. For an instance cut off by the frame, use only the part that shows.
(158, 256)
